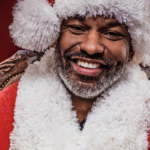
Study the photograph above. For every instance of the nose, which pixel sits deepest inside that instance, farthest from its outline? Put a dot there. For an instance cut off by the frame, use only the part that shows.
(92, 43)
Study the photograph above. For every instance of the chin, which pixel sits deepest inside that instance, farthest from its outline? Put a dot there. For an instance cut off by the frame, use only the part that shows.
(85, 89)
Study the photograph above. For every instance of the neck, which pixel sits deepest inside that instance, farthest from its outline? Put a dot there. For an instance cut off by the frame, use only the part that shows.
(82, 106)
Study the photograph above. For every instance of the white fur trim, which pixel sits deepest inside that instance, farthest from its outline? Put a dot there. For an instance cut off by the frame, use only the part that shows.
(44, 119)
(35, 25)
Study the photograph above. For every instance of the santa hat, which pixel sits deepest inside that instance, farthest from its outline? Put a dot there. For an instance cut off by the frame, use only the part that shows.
(36, 24)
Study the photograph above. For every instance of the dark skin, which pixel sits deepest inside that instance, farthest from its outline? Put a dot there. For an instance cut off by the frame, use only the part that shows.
(100, 36)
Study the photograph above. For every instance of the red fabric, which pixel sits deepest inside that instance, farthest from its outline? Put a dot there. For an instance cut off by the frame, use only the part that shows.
(7, 47)
(7, 104)
(51, 1)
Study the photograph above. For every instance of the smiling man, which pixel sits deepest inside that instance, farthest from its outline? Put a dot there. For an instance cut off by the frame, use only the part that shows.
(91, 54)
(88, 91)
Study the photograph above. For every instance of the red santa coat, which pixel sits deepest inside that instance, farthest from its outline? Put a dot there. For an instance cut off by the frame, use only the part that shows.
(7, 104)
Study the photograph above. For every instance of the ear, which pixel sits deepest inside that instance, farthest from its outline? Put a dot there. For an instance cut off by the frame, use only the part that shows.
(131, 54)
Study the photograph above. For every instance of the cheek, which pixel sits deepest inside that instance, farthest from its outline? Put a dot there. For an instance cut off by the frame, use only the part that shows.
(67, 42)
(119, 50)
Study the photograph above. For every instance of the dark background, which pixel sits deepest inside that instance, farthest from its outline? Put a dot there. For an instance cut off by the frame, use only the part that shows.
(7, 48)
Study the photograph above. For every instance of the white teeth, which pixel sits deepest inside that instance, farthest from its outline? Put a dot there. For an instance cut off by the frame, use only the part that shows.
(85, 64)
(88, 65)
(82, 63)
(95, 65)
(79, 62)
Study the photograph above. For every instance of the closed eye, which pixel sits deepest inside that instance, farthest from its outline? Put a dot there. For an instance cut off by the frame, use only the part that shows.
(76, 29)
(113, 35)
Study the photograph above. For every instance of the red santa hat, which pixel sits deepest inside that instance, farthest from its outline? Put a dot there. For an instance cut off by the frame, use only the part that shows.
(36, 24)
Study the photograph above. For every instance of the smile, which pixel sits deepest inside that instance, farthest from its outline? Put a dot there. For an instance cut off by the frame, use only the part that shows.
(88, 65)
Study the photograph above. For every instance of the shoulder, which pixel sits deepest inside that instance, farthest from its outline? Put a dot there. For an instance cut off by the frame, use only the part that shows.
(9, 91)
(7, 104)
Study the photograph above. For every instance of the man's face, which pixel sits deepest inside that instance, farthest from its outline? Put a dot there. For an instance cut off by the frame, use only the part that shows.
(91, 54)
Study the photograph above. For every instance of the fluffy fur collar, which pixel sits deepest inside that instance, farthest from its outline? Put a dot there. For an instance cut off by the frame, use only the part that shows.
(44, 119)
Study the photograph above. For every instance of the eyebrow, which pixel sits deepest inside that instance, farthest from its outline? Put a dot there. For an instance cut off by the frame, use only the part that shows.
(114, 24)
(79, 18)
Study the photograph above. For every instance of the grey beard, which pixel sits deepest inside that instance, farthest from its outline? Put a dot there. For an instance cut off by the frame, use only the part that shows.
(84, 90)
